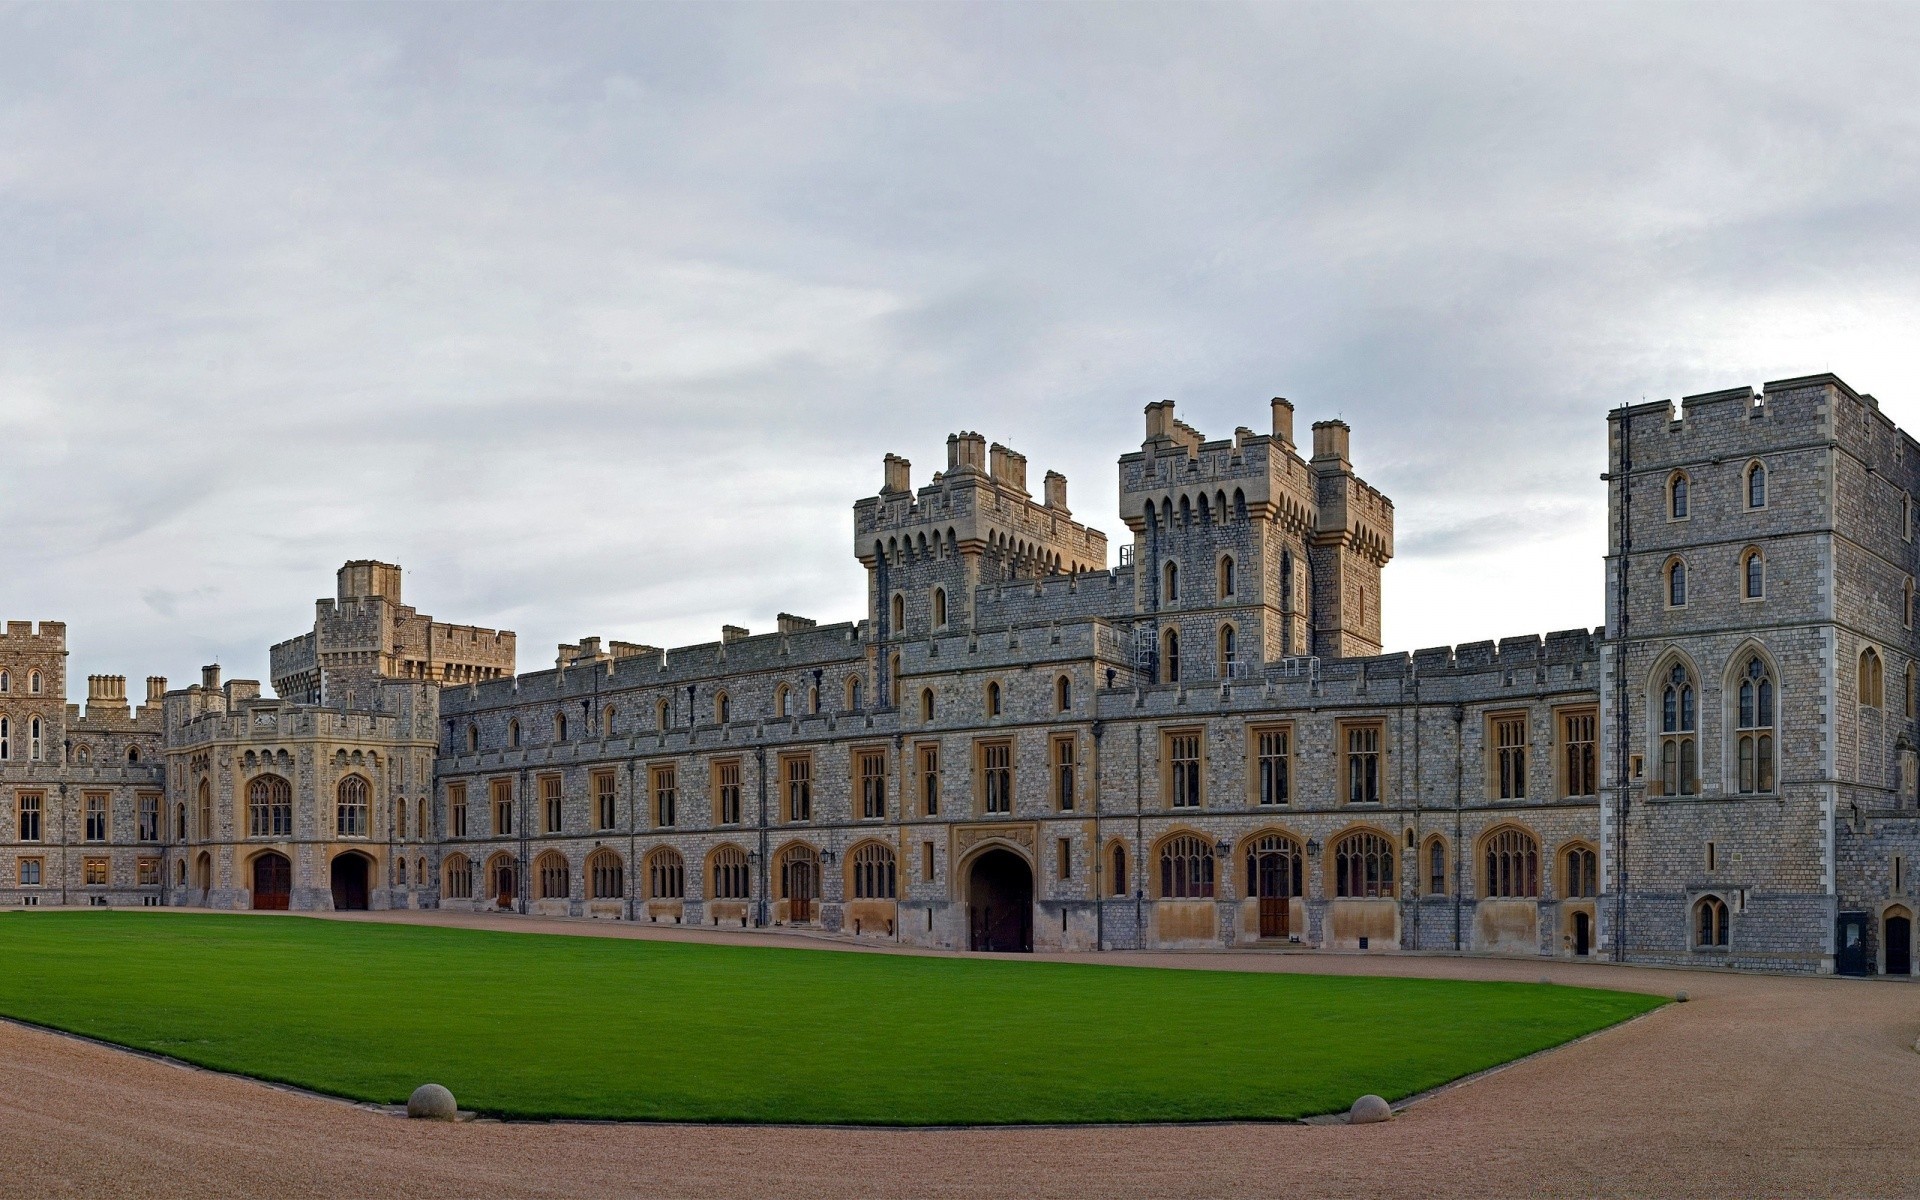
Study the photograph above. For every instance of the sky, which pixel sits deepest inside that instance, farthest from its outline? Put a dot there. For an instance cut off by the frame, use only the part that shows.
(599, 319)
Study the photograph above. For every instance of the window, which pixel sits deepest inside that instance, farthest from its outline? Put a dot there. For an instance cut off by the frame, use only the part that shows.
(993, 699)
(926, 704)
(149, 822)
(939, 607)
(1186, 869)
(400, 815)
(350, 809)
(1436, 867)
(457, 809)
(799, 772)
(1229, 652)
(1913, 689)
(1062, 694)
(1513, 865)
(1226, 577)
(663, 713)
(727, 788)
(666, 875)
(205, 802)
(1906, 604)
(1579, 754)
(1710, 923)
(1170, 656)
(873, 872)
(31, 871)
(1119, 884)
(94, 872)
(780, 700)
(457, 877)
(550, 871)
(147, 872)
(853, 693)
(473, 739)
(1756, 486)
(1677, 497)
(930, 780)
(1754, 725)
(898, 611)
(1582, 869)
(96, 817)
(1363, 865)
(722, 709)
(6, 739)
(513, 734)
(1872, 688)
(996, 776)
(33, 739)
(1183, 769)
(559, 727)
(1064, 777)
(813, 700)
(730, 873)
(1679, 755)
(1273, 777)
(893, 681)
(179, 822)
(1906, 523)
(33, 682)
(926, 861)
(1753, 575)
(665, 795)
(871, 768)
(1677, 584)
(6, 682)
(1510, 757)
(605, 810)
(502, 790)
(1362, 764)
(29, 826)
(1171, 591)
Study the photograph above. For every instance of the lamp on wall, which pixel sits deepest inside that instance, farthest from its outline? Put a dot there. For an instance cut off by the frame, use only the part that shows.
(1313, 847)
(826, 856)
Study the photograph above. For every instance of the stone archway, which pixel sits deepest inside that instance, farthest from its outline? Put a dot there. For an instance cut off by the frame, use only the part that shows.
(1896, 941)
(350, 882)
(1000, 902)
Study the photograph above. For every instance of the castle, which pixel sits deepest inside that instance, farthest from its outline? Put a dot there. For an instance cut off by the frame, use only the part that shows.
(1023, 746)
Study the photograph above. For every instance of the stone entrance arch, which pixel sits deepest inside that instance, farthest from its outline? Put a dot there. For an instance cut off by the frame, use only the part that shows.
(1000, 902)
(1896, 941)
(350, 882)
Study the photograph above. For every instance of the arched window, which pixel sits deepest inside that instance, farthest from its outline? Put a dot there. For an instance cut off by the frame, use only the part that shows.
(666, 874)
(663, 713)
(513, 734)
(1436, 862)
(606, 875)
(1906, 605)
(1753, 722)
(1186, 869)
(1171, 592)
(1363, 865)
(1913, 689)
(1228, 651)
(1513, 865)
(1677, 583)
(813, 699)
(1679, 752)
(1677, 496)
(939, 607)
(873, 872)
(33, 738)
(559, 727)
(1753, 569)
(1275, 868)
(1286, 581)
(899, 612)
(722, 708)
(270, 807)
(33, 683)
(1756, 486)
(1710, 922)
(606, 721)
(473, 739)
(551, 873)
(1170, 656)
(133, 754)
(1872, 687)
(893, 681)
(457, 877)
(205, 805)
(926, 704)
(350, 811)
(730, 880)
(780, 700)
(6, 740)
(853, 693)
(993, 699)
(1581, 869)
(1226, 577)
(1119, 870)
(1063, 694)
(6, 682)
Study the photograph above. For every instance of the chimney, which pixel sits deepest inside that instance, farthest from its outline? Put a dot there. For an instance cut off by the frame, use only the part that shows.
(210, 677)
(156, 688)
(1160, 419)
(1009, 468)
(729, 634)
(1282, 421)
(899, 475)
(1056, 485)
(1330, 443)
(966, 452)
(792, 624)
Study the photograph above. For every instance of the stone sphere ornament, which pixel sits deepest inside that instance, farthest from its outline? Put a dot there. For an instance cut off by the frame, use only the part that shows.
(431, 1102)
(1368, 1109)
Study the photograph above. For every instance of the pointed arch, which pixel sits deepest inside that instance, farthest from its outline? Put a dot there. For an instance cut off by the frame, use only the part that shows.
(1870, 679)
(1675, 575)
(1433, 865)
(1673, 705)
(1679, 498)
(1750, 690)
(872, 871)
(1185, 866)
(727, 873)
(1753, 574)
(1509, 862)
(1755, 491)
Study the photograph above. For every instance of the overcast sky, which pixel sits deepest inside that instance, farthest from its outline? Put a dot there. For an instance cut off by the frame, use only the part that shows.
(600, 319)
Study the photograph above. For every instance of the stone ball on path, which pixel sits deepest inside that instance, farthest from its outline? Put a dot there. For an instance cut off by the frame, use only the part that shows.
(1368, 1109)
(432, 1102)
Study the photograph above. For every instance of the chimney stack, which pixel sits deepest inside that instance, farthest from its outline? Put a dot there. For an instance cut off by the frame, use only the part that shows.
(1160, 419)
(156, 688)
(1056, 485)
(899, 475)
(1282, 421)
(1330, 443)
(210, 677)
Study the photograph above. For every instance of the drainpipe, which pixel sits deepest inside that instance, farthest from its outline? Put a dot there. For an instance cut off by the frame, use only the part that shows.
(760, 904)
(1099, 850)
(1621, 737)
(1139, 838)
(1459, 822)
(633, 840)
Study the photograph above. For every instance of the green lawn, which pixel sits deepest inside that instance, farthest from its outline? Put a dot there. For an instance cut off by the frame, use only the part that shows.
(531, 1025)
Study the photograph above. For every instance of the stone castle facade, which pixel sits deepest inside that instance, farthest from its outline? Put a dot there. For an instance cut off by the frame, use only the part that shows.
(1021, 746)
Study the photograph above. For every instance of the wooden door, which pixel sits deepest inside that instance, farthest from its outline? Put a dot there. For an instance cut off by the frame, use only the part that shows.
(503, 885)
(1899, 943)
(272, 882)
(1276, 905)
(800, 891)
(1582, 934)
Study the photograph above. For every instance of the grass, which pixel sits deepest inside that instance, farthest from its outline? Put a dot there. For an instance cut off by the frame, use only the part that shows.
(556, 1026)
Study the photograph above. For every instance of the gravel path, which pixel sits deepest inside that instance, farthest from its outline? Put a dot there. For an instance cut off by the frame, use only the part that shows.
(1759, 1086)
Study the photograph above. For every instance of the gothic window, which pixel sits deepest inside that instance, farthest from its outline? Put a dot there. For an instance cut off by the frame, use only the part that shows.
(1510, 757)
(1186, 869)
(1677, 583)
(996, 771)
(1183, 769)
(205, 805)
(473, 739)
(722, 708)
(1710, 922)
(6, 739)
(1582, 871)
(458, 876)
(730, 873)
(663, 712)
(1436, 867)
(799, 788)
(939, 607)
(1913, 689)
(780, 700)
(270, 807)
(727, 784)
(350, 811)
(1226, 577)
(559, 727)
(874, 872)
(29, 817)
(666, 796)
(1579, 748)
(1754, 726)
(513, 734)
(853, 693)
(1872, 686)
(6, 682)
(1363, 865)
(1171, 592)
(1757, 486)
(926, 704)
(1679, 751)
(1906, 605)
(1677, 496)
(1065, 773)
(550, 870)
(1513, 865)
(1170, 656)
(1361, 764)
(993, 699)
(1228, 651)
(899, 612)
(1273, 749)
(666, 874)
(33, 738)
(1274, 867)
(1062, 694)
(33, 682)
(870, 766)
(1753, 573)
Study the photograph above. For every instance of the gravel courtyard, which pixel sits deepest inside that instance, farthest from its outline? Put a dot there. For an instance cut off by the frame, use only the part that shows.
(1760, 1085)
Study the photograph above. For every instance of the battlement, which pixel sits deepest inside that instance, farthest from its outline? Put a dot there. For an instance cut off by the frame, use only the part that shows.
(48, 635)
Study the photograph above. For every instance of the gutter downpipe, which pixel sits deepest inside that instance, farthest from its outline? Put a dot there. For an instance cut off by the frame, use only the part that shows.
(1622, 742)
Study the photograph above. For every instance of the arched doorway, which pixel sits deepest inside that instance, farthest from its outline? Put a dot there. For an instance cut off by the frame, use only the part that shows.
(350, 883)
(272, 881)
(1582, 934)
(1898, 940)
(504, 880)
(1000, 902)
(1274, 877)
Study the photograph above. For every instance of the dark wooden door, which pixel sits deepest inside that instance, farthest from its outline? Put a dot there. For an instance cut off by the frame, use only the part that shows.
(800, 892)
(272, 882)
(1582, 934)
(350, 883)
(503, 886)
(1899, 940)
(1851, 948)
(1276, 905)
